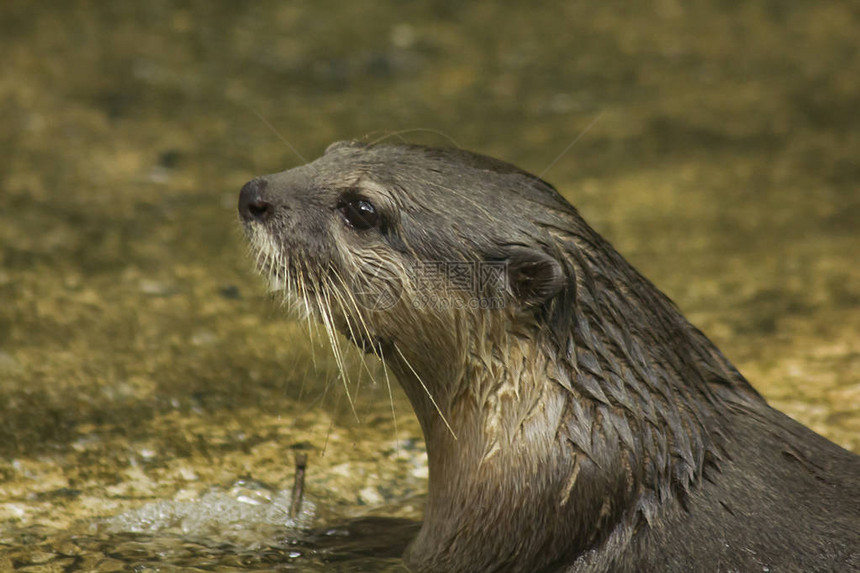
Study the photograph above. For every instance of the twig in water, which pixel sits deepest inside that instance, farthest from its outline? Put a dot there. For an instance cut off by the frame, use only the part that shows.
(298, 485)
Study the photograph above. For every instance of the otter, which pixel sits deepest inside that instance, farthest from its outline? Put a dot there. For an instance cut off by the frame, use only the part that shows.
(574, 419)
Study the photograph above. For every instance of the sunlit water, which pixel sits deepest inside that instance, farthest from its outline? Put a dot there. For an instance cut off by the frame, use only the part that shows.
(152, 397)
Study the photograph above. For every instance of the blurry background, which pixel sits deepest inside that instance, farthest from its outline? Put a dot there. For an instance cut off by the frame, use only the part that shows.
(142, 364)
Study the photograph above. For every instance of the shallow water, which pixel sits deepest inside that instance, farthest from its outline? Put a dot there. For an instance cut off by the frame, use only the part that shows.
(143, 370)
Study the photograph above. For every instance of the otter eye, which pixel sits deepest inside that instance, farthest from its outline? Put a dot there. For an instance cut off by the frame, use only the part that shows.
(359, 213)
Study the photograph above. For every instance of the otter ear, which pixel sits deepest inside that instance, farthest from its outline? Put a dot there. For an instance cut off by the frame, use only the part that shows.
(534, 276)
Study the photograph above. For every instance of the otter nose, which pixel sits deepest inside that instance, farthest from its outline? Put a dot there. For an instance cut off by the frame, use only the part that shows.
(252, 206)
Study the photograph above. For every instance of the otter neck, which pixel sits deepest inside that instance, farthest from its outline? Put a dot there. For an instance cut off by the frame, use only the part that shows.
(508, 491)
(561, 441)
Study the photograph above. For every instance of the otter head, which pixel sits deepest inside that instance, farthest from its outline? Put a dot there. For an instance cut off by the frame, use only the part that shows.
(532, 354)
(406, 250)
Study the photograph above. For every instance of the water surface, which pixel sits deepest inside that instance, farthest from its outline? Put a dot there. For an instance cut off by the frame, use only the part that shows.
(152, 397)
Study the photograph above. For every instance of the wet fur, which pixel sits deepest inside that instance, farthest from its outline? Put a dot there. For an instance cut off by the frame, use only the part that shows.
(583, 426)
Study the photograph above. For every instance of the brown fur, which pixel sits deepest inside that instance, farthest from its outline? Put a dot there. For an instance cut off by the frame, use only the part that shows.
(576, 422)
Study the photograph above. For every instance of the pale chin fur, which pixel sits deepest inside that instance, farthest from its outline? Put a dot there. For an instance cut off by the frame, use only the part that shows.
(276, 283)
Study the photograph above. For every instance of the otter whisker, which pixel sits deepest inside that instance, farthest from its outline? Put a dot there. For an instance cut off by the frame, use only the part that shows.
(302, 288)
(570, 145)
(299, 299)
(328, 322)
(312, 325)
(331, 422)
(390, 398)
(332, 296)
(352, 333)
(403, 132)
(271, 127)
(350, 297)
(260, 252)
(427, 390)
(344, 312)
